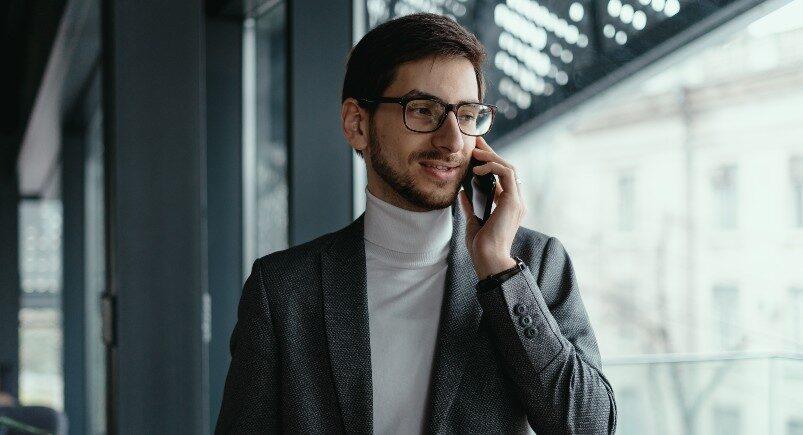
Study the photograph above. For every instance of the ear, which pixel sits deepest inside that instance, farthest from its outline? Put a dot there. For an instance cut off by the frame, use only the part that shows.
(354, 122)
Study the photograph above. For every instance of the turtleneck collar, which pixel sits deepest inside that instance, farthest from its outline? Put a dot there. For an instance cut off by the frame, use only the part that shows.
(405, 231)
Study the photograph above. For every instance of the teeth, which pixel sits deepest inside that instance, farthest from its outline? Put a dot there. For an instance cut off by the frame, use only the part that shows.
(442, 168)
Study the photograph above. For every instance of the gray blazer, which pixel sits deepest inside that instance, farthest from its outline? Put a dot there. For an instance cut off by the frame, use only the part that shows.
(301, 350)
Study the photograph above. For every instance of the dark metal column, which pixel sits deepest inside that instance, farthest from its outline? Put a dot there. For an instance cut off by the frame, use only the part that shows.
(155, 113)
(73, 297)
(9, 275)
(320, 159)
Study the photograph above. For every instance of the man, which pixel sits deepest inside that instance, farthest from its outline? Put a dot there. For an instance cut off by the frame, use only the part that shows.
(384, 326)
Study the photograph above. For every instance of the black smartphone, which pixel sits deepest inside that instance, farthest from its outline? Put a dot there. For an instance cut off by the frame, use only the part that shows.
(480, 191)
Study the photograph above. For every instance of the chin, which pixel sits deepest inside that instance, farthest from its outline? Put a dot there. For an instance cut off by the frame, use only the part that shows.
(439, 197)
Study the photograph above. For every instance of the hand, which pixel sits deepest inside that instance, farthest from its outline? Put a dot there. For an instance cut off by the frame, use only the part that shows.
(489, 245)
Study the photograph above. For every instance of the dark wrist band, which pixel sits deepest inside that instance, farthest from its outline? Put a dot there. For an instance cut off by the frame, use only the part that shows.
(497, 279)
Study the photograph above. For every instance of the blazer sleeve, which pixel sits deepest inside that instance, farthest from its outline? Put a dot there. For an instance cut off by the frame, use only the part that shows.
(251, 396)
(544, 337)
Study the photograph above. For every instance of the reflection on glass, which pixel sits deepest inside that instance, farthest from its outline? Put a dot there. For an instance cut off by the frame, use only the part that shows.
(694, 307)
(41, 381)
(267, 208)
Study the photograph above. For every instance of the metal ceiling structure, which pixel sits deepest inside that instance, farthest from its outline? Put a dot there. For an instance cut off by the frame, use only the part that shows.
(547, 56)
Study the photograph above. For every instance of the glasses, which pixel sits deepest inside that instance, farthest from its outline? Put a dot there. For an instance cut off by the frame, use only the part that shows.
(426, 114)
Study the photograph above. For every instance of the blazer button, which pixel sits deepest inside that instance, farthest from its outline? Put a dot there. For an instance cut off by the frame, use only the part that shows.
(529, 332)
(520, 309)
(525, 321)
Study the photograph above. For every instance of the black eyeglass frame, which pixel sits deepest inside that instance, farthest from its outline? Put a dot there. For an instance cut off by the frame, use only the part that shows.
(449, 108)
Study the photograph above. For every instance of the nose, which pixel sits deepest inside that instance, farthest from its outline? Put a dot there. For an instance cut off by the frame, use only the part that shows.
(449, 136)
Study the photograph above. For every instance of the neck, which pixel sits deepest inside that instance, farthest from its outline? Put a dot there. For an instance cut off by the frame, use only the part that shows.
(403, 230)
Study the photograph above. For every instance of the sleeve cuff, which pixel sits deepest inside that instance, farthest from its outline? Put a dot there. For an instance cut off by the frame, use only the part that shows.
(522, 320)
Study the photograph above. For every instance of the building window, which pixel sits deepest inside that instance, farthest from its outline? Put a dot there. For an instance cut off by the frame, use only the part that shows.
(631, 412)
(726, 315)
(794, 427)
(796, 317)
(723, 182)
(796, 175)
(625, 187)
(727, 420)
(629, 306)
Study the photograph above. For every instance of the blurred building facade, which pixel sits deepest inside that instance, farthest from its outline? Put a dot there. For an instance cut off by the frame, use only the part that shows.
(678, 197)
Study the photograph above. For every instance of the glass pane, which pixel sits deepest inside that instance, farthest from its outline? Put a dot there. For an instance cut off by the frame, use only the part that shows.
(41, 380)
(676, 196)
(267, 222)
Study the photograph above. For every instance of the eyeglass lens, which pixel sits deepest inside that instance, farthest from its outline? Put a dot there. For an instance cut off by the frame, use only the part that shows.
(425, 116)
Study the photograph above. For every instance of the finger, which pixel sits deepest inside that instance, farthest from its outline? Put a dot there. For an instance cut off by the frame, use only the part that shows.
(490, 156)
(507, 177)
(483, 145)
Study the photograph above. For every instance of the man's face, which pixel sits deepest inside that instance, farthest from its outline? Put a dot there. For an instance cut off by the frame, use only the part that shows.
(396, 155)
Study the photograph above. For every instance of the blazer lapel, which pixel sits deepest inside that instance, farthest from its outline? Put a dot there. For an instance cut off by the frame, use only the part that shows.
(343, 281)
(460, 318)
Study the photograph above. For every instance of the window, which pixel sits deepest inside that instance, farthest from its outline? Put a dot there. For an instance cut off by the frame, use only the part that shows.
(725, 306)
(796, 317)
(794, 427)
(727, 420)
(626, 196)
(265, 188)
(723, 182)
(630, 309)
(631, 412)
(41, 379)
(796, 175)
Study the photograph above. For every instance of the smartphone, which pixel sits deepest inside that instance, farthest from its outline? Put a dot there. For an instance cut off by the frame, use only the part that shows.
(480, 191)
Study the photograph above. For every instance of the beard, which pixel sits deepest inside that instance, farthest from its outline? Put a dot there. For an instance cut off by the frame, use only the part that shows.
(405, 184)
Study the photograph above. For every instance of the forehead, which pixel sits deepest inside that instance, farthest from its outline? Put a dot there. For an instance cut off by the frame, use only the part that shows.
(450, 79)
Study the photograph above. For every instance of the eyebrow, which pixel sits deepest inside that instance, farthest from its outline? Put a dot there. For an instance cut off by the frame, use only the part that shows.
(420, 93)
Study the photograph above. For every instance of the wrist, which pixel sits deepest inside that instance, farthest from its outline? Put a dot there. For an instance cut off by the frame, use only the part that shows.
(491, 267)
(497, 279)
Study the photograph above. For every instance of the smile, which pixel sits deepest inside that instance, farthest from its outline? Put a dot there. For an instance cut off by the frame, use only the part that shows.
(440, 172)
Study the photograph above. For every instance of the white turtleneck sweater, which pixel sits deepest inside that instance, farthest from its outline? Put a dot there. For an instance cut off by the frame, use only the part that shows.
(405, 254)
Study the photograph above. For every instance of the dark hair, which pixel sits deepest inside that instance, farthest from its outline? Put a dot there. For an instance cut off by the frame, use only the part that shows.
(372, 64)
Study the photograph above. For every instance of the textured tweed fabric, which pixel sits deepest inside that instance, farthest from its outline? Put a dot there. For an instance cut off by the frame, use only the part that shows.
(518, 357)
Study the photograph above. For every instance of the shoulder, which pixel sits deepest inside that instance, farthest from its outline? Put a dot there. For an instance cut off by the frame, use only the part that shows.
(298, 260)
(296, 256)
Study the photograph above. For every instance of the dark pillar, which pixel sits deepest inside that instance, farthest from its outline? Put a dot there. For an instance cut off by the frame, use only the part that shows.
(155, 121)
(73, 298)
(320, 159)
(9, 276)
(224, 167)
